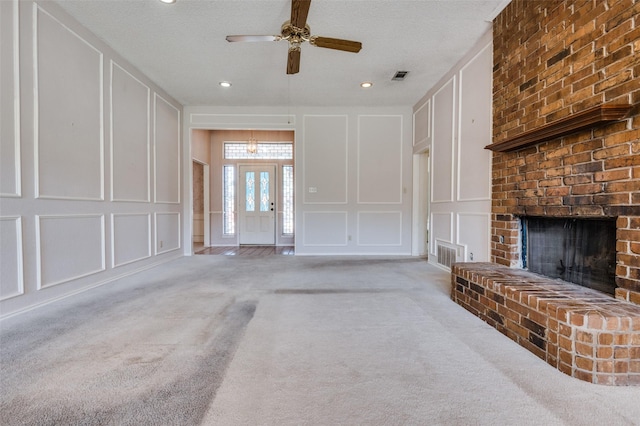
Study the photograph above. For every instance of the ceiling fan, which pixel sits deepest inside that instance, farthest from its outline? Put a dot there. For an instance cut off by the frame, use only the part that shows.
(296, 31)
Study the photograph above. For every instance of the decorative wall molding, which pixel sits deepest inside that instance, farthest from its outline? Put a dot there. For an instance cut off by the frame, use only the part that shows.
(422, 124)
(437, 146)
(387, 225)
(19, 260)
(114, 254)
(240, 121)
(77, 242)
(114, 65)
(14, 17)
(340, 235)
(160, 237)
(378, 173)
(308, 162)
(440, 231)
(481, 254)
(462, 169)
(178, 148)
(39, 193)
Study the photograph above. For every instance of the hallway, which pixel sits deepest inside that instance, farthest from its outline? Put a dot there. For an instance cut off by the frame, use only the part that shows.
(283, 340)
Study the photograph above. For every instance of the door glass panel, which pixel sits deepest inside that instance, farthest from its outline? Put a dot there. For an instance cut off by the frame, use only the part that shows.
(264, 191)
(250, 191)
(265, 151)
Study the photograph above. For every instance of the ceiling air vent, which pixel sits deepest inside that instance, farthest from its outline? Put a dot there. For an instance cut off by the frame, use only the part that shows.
(400, 75)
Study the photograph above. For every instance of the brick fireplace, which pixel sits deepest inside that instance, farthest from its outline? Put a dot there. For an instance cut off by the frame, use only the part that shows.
(554, 60)
(566, 145)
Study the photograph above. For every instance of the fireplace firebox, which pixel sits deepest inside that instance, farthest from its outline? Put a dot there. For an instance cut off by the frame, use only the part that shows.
(580, 251)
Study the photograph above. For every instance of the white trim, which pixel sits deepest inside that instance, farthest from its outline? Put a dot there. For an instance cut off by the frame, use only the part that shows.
(156, 251)
(36, 106)
(480, 214)
(459, 138)
(19, 256)
(148, 199)
(156, 96)
(16, 104)
(113, 240)
(400, 192)
(346, 223)
(426, 104)
(36, 99)
(453, 140)
(419, 188)
(40, 285)
(346, 161)
(286, 119)
(433, 238)
(399, 234)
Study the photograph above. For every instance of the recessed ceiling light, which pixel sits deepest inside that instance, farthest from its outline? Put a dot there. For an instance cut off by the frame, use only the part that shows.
(168, 1)
(225, 84)
(366, 84)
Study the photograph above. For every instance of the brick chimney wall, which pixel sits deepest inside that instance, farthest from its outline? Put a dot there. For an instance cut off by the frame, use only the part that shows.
(553, 58)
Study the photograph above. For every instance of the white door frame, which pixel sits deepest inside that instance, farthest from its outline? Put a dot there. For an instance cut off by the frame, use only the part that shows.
(206, 172)
(421, 204)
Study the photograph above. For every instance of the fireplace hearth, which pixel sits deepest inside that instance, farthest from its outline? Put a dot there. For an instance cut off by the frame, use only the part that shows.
(580, 251)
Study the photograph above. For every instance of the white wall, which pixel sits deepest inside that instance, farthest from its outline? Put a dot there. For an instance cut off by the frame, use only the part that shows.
(452, 122)
(352, 173)
(91, 171)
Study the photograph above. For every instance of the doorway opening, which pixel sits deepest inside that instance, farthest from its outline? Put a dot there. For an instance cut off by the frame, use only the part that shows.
(268, 155)
(421, 204)
(200, 203)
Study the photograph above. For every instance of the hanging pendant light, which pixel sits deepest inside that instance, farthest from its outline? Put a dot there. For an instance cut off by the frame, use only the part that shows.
(252, 145)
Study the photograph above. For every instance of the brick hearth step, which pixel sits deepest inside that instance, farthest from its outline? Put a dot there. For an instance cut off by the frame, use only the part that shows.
(582, 332)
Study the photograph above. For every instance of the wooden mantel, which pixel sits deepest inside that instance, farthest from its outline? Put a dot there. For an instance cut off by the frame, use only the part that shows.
(591, 117)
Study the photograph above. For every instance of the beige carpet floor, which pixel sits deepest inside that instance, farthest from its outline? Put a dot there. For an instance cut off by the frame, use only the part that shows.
(283, 340)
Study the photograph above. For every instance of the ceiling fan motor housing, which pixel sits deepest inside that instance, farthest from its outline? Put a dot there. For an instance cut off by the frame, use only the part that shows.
(295, 35)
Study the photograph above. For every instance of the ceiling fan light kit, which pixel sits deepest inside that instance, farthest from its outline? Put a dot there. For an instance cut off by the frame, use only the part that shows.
(296, 31)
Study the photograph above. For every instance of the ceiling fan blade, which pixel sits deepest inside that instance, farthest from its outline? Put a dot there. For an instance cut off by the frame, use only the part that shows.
(337, 44)
(234, 38)
(293, 62)
(299, 12)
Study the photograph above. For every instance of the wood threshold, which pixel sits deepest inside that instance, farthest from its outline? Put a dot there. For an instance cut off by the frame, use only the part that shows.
(591, 117)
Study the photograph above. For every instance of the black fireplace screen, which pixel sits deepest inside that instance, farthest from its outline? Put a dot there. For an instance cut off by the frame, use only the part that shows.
(581, 251)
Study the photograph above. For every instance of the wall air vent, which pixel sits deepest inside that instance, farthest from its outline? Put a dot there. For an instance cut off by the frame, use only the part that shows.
(400, 75)
(448, 254)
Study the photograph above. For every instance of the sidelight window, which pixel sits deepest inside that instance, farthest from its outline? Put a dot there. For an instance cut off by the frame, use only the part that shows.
(229, 200)
(287, 200)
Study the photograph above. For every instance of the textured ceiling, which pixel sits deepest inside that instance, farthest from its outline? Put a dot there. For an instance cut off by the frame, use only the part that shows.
(182, 47)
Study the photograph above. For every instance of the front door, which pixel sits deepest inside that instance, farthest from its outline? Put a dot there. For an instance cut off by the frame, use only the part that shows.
(257, 217)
